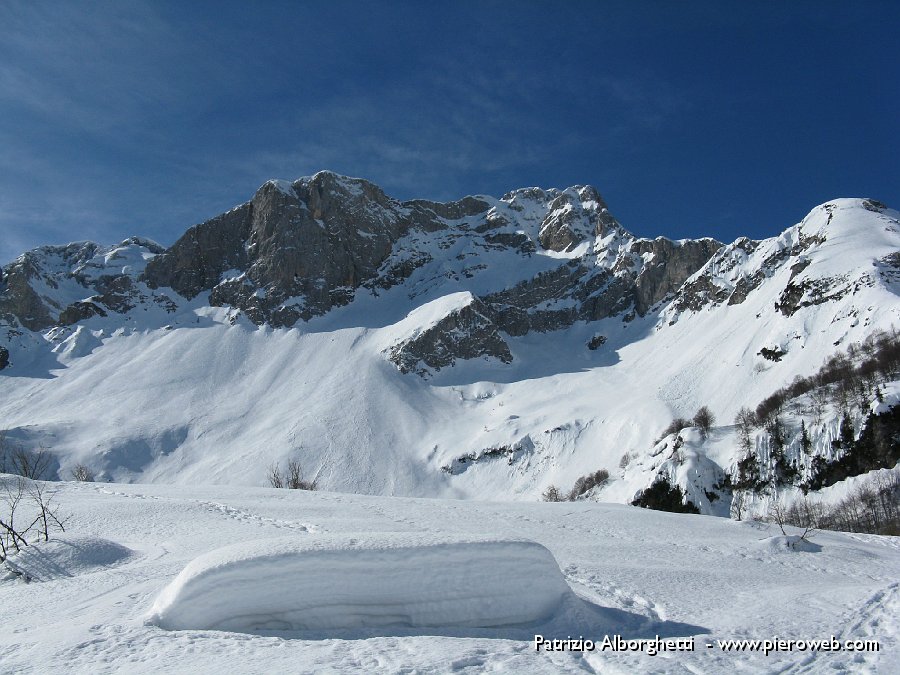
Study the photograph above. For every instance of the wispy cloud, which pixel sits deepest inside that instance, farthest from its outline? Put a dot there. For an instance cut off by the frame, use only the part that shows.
(465, 118)
(117, 118)
(88, 66)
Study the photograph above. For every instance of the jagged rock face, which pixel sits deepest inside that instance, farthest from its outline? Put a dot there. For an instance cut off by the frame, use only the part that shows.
(297, 250)
(734, 272)
(667, 265)
(464, 333)
(20, 304)
(560, 229)
(78, 311)
(425, 213)
(197, 260)
(575, 215)
(589, 293)
(556, 299)
(29, 290)
(324, 244)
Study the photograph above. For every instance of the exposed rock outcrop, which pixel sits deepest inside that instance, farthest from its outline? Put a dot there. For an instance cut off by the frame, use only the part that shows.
(465, 332)
(38, 287)
(645, 273)
(79, 311)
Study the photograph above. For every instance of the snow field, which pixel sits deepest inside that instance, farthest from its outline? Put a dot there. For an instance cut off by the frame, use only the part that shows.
(636, 573)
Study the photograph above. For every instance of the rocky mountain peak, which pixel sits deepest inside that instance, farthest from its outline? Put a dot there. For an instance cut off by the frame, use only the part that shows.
(535, 260)
(821, 259)
(297, 249)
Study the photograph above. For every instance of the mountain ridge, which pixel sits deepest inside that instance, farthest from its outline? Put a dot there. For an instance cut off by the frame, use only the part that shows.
(380, 341)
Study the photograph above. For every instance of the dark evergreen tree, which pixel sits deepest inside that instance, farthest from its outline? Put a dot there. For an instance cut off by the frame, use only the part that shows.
(663, 496)
(805, 442)
(846, 433)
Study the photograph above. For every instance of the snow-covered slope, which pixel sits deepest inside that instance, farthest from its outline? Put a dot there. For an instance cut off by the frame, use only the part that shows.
(483, 348)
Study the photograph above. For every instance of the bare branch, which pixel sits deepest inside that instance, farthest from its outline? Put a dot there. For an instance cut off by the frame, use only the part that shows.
(275, 478)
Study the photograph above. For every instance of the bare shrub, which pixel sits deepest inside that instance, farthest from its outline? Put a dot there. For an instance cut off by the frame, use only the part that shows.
(295, 477)
(82, 474)
(552, 494)
(27, 463)
(276, 480)
(32, 502)
(587, 482)
(48, 517)
(781, 515)
(11, 538)
(704, 419)
(291, 479)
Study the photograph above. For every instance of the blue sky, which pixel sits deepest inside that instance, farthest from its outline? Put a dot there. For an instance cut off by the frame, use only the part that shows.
(720, 118)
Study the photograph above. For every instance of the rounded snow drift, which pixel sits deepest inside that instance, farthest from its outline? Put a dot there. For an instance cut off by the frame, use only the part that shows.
(66, 555)
(369, 581)
(788, 544)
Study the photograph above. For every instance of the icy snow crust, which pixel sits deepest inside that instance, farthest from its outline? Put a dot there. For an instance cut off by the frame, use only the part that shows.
(320, 583)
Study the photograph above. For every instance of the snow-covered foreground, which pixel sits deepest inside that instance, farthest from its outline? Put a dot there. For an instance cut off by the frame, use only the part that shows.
(636, 573)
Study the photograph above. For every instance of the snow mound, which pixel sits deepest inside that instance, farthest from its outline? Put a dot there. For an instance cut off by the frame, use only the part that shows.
(324, 583)
(65, 556)
(788, 543)
(80, 343)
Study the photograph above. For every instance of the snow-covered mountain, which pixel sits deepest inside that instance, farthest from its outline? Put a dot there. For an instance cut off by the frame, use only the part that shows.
(479, 348)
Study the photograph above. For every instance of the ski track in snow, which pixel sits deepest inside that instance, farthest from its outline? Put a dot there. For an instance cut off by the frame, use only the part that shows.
(237, 514)
(875, 619)
(595, 588)
(248, 517)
